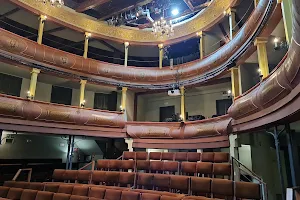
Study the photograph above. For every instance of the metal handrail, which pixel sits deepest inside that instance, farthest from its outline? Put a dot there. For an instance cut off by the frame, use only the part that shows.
(19, 172)
(85, 166)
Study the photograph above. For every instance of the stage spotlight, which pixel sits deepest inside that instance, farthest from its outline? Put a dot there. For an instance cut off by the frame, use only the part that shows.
(175, 12)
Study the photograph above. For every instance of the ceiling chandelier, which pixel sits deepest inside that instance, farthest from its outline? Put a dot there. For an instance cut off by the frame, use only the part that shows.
(55, 3)
(162, 28)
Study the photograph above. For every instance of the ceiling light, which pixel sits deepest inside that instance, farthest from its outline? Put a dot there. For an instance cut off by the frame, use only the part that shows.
(55, 3)
(229, 92)
(276, 40)
(175, 12)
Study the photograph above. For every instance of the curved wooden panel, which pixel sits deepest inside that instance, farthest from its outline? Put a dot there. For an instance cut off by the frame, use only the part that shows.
(18, 108)
(190, 73)
(198, 129)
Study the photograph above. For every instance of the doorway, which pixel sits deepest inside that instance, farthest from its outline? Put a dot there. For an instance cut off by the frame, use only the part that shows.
(166, 113)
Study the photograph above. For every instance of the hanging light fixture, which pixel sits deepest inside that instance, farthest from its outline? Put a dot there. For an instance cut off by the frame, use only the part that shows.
(55, 3)
(162, 27)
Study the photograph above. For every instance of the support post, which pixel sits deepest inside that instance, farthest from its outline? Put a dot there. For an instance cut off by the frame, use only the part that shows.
(291, 154)
(129, 142)
(33, 81)
(82, 91)
(71, 152)
(201, 44)
(182, 104)
(42, 20)
(261, 44)
(161, 55)
(286, 6)
(126, 46)
(232, 23)
(235, 81)
(68, 153)
(123, 100)
(86, 44)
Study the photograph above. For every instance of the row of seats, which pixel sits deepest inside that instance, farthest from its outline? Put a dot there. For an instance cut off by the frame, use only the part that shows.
(170, 167)
(216, 157)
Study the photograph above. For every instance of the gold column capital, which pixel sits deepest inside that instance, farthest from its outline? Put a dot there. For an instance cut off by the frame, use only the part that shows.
(35, 71)
(43, 18)
(126, 44)
(229, 11)
(260, 40)
(160, 46)
(83, 82)
(279, 1)
(87, 35)
(200, 34)
(182, 89)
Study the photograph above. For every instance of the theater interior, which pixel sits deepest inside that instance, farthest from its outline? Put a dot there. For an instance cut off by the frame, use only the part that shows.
(150, 99)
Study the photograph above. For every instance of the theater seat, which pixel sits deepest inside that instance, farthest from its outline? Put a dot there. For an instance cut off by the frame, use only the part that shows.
(59, 196)
(112, 194)
(155, 156)
(97, 192)
(3, 191)
(143, 165)
(245, 190)
(207, 157)
(145, 180)
(223, 169)
(102, 164)
(130, 195)
(127, 155)
(70, 175)
(222, 188)
(114, 165)
(66, 189)
(51, 187)
(80, 190)
(181, 156)
(221, 157)
(43, 195)
(141, 155)
(165, 197)
(193, 156)
(147, 196)
(28, 194)
(58, 174)
(84, 176)
(161, 182)
(98, 177)
(156, 166)
(14, 193)
(36, 186)
(22, 184)
(9, 183)
(200, 186)
(204, 168)
(75, 197)
(167, 156)
(112, 178)
(188, 168)
(180, 183)
(171, 166)
(127, 165)
(126, 179)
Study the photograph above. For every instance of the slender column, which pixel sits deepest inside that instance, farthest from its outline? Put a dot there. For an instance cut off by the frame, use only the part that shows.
(126, 45)
(286, 6)
(86, 44)
(42, 20)
(235, 81)
(201, 44)
(33, 81)
(161, 55)
(129, 142)
(232, 23)
(82, 90)
(123, 101)
(261, 44)
(182, 103)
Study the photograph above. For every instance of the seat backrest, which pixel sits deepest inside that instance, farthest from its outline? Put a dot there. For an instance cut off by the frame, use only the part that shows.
(75, 197)
(112, 178)
(200, 186)
(84, 175)
(181, 183)
(50, 187)
(156, 166)
(188, 167)
(148, 196)
(141, 155)
(155, 156)
(128, 164)
(44, 195)
(127, 178)
(70, 175)
(3, 191)
(114, 164)
(65, 188)
(171, 166)
(58, 174)
(207, 157)
(36, 186)
(59, 196)
(97, 192)
(166, 197)
(221, 157)
(181, 156)
(80, 190)
(245, 190)
(144, 179)
(22, 184)
(143, 165)
(102, 164)
(193, 156)
(161, 181)
(130, 195)
(9, 183)
(222, 188)
(112, 194)
(223, 169)
(204, 168)
(167, 156)
(14, 193)
(98, 177)
(28, 194)
(127, 155)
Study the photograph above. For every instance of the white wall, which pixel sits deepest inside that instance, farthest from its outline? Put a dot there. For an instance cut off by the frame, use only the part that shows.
(211, 44)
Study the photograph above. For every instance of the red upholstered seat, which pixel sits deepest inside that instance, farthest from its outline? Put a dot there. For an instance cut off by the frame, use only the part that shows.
(58, 174)
(112, 178)
(200, 186)
(65, 188)
(145, 180)
(161, 182)
(223, 169)
(59, 196)
(75, 197)
(97, 192)
(222, 188)
(80, 190)
(22, 184)
(102, 164)
(112, 194)
(114, 164)
(127, 155)
(156, 166)
(165, 197)
(84, 176)
(147, 196)
(167, 156)
(130, 195)
(43, 195)
(9, 183)
(204, 168)
(181, 156)
(247, 190)
(98, 177)
(171, 166)
(128, 164)
(188, 168)
(155, 156)
(180, 183)
(193, 156)
(14, 193)
(143, 165)
(51, 187)
(126, 178)
(3, 191)
(141, 155)
(36, 186)
(70, 175)
(207, 157)
(28, 194)
(221, 157)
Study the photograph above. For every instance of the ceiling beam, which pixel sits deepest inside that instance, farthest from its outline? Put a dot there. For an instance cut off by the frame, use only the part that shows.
(225, 35)
(89, 4)
(189, 4)
(9, 13)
